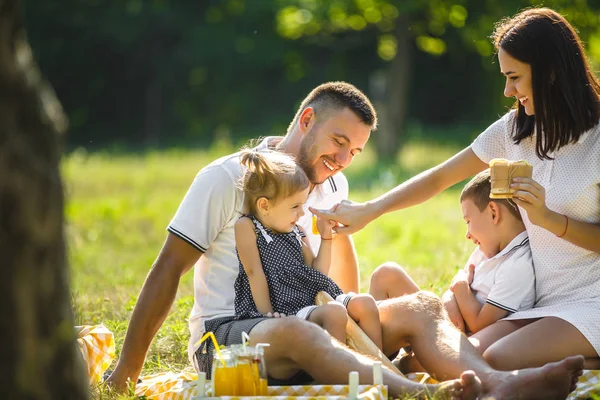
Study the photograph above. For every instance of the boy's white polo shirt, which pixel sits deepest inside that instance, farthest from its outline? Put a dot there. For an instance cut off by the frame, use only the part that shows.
(506, 280)
(206, 218)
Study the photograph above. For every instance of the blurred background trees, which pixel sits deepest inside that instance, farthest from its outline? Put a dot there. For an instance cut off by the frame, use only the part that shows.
(156, 73)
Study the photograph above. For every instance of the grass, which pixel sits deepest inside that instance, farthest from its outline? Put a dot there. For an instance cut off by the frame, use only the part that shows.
(118, 207)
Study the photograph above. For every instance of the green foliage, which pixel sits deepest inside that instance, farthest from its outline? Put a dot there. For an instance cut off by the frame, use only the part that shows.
(160, 73)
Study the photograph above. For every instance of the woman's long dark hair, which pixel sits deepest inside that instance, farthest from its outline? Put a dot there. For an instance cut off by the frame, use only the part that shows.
(566, 93)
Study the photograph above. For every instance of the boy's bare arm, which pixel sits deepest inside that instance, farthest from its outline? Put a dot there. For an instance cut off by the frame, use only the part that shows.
(451, 307)
(245, 240)
(475, 315)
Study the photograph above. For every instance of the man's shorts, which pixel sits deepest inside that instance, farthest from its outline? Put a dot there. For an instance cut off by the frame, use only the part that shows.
(228, 331)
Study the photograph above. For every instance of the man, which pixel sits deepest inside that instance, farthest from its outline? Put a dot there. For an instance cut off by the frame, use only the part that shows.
(330, 128)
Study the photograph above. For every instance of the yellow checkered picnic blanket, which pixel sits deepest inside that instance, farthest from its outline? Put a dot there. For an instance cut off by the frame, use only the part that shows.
(98, 349)
(588, 385)
(97, 345)
(170, 386)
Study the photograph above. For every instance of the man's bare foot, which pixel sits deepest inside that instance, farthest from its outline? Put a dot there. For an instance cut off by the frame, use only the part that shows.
(467, 387)
(552, 381)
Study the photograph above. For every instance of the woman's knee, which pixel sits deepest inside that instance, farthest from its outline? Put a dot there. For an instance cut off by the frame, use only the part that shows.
(498, 357)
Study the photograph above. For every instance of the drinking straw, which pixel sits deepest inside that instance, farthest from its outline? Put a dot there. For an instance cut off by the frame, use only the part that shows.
(260, 346)
(200, 384)
(377, 376)
(353, 385)
(215, 344)
(245, 339)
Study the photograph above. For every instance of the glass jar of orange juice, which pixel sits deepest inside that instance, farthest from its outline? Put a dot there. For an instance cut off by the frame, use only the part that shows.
(251, 370)
(224, 373)
(259, 360)
(247, 371)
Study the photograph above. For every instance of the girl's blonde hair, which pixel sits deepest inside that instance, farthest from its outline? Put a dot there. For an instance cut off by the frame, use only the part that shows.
(269, 174)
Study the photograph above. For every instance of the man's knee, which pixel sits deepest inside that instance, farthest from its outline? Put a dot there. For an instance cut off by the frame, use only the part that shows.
(430, 304)
(281, 331)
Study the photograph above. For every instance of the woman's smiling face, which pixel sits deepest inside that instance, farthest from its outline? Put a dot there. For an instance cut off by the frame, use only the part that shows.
(518, 80)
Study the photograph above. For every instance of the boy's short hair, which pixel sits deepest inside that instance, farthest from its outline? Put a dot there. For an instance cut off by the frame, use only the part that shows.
(478, 190)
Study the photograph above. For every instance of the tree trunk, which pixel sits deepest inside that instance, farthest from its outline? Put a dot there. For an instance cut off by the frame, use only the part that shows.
(393, 107)
(38, 354)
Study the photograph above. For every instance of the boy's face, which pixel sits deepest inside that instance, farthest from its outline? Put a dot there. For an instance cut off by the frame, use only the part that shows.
(481, 227)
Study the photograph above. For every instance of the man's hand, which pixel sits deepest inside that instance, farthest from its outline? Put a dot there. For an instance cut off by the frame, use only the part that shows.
(117, 382)
(152, 307)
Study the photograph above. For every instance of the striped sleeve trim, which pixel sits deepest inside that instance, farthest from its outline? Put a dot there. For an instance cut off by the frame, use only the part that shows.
(332, 184)
(505, 308)
(186, 238)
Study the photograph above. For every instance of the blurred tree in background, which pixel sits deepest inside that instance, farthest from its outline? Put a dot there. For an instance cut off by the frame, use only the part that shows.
(162, 73)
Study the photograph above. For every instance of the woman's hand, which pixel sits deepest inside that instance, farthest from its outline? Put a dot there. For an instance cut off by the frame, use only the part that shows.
(352, 216)
(532, 197)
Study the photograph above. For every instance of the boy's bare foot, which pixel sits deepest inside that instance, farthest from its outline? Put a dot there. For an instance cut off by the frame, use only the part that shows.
(552, 381)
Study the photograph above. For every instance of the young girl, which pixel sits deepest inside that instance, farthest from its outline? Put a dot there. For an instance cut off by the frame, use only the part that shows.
(279, 274)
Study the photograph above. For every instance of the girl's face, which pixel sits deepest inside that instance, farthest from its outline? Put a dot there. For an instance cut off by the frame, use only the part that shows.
(283, 214)
(518, 80)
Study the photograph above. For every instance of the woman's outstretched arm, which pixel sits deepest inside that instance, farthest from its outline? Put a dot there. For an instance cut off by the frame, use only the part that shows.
(355, 216)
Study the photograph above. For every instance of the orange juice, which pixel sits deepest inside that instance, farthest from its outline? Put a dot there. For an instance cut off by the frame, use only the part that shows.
(224, 373)
(225, 381)
(264, 388)
(247, 379)
(315, 228)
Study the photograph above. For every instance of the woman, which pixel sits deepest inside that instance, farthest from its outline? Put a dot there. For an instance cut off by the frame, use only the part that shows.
(558, 96)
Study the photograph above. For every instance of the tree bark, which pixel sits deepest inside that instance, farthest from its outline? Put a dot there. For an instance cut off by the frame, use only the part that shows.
(38, 354)
(393, 108)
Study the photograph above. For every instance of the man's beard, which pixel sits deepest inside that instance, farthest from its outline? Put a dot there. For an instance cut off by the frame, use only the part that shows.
(306, 157)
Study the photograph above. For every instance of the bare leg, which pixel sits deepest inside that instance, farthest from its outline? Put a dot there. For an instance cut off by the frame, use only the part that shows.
(363, 310)
(390, 280)
(546, 340)
(419, 320)
(333, 318)
(491, 334)
(453, 311)
(297, 344)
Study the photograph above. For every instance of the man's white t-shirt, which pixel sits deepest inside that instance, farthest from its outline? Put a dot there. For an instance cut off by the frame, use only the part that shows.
(506, 280)
(206, 218)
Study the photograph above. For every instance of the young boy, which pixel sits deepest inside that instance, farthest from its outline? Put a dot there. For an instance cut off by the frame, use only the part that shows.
(498, 278)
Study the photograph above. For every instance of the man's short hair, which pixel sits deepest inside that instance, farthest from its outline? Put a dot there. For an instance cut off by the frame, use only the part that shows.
(332, 97)
(478, 190)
